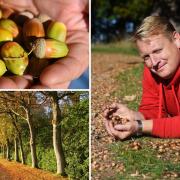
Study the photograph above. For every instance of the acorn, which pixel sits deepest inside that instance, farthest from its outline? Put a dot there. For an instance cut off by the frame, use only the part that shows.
(5, 35)
(36, 66)
(2, 67)
(15, 58)
(6, 11)
(21, 17)
(33, 28)
(0, 13)
(43, 17)
(10, 26)
(57, 30)
(49, 48)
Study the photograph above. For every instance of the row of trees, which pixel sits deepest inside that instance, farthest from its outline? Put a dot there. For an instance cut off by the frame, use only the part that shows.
(41, 121)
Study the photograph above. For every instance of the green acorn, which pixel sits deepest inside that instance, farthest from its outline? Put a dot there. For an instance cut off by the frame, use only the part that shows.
(10, 26)
(15, 58)
(57, 30)
(49, 48)
(2, 67)
(5, 35)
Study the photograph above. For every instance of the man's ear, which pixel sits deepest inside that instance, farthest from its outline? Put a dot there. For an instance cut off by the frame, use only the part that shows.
(176, 37)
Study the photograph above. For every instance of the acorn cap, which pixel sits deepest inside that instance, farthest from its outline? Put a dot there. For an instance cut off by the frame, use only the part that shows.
(33, 27)
(39, 48)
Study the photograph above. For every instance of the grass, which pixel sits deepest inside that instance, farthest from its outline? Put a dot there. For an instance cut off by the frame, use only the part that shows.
(130, 84)
(122, 47)
(144, 161)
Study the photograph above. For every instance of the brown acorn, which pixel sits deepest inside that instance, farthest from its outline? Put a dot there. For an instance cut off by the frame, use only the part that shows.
(33, 28)
(21, 17)
(36, 66)
(6, 11)
(49, 48)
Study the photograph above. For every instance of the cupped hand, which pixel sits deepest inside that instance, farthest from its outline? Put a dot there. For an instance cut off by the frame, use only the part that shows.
(119, 131)
(74, 14)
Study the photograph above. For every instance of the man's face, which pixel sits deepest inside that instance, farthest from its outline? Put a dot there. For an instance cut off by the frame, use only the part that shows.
(161, 55)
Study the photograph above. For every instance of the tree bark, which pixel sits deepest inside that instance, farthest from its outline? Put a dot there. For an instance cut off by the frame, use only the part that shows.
(4, 154)
(32, 140)
(57, 142)
(7, 150)
(16, 150)
(14, 120)
(21, 149)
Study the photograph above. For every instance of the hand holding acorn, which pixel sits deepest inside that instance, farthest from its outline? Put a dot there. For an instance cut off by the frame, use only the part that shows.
(59, 72)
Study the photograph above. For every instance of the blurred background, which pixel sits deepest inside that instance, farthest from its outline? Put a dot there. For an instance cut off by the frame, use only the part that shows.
(117, 19)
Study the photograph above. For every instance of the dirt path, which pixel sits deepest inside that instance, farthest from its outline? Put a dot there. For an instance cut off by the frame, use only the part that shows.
(105, 67)
(16, 171)
(4, 174)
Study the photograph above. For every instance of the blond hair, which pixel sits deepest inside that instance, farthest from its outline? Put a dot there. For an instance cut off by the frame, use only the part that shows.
(154, 25)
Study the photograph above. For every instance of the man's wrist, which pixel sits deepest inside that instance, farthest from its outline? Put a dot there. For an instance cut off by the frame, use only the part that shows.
(139, 127)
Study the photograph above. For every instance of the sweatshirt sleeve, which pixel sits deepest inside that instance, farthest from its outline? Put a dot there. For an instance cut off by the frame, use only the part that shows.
(149, 105)
(166, 127)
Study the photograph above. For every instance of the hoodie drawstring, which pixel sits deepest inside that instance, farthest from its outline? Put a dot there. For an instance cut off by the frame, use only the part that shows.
(160, 100)
(177, 103)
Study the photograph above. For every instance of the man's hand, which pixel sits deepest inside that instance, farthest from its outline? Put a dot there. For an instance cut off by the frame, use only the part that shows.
(74, 14)
(123, 131)
(120, 131)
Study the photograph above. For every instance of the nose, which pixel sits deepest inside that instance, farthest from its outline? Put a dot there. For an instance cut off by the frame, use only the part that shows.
(154, 61)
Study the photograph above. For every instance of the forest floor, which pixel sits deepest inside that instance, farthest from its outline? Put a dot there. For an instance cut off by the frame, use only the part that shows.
(10, 170)
(135, 158)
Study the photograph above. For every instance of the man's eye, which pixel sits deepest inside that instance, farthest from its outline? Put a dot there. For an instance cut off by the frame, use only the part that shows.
(158, 51)
(146, 58)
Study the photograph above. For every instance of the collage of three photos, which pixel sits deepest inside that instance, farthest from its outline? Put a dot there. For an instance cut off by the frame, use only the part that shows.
(90, 90)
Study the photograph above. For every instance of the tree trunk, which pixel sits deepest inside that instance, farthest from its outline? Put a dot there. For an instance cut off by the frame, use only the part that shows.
(14, 122)
(4, 154)
(57, 143)
(16, 150)
(32, 140)
(21, 149)
(7, 150)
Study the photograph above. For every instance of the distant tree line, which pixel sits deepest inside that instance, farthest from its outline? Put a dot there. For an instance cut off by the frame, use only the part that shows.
(132, 10)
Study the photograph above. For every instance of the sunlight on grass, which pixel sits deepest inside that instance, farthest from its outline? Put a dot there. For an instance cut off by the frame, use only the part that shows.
(130, 84)
(123, 47)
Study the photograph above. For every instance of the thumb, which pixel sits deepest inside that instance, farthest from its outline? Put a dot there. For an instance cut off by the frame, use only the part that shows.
(121, 127)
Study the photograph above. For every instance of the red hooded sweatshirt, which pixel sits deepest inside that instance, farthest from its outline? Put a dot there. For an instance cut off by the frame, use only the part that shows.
(161, 103)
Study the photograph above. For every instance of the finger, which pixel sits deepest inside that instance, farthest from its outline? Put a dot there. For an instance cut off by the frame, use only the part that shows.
(68, 68)
(120, 127)
(55, 86)
(106, 123)
(7, 83)
(114, 132)
(22, 82)
(20, 5)
(105, 113)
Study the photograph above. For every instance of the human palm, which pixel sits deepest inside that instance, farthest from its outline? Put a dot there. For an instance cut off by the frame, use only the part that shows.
(59, 74)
